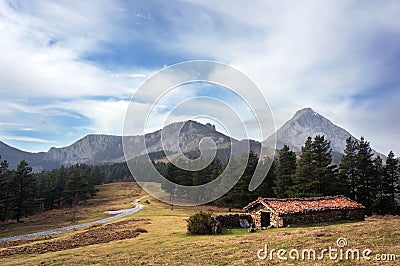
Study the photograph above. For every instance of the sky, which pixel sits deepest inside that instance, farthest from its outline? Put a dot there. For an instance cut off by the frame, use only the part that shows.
(70, 68)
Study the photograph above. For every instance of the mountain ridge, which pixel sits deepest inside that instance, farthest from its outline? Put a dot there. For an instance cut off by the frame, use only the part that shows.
(306, 122)
(106, 149)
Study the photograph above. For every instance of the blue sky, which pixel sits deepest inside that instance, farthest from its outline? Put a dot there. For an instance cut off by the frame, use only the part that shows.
(69, 68)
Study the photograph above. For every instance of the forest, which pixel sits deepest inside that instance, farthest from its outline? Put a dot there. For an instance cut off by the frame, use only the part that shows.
(23, 192)
(361, 176)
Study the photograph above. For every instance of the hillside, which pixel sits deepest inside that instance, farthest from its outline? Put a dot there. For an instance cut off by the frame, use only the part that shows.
(306, 122)
(107, 149)
(166, 230)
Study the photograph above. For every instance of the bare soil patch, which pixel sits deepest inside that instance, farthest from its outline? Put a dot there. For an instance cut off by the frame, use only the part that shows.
(96, 234)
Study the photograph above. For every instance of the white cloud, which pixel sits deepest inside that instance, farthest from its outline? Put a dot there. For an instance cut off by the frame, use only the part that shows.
(9, 124)
(318, 54)
(55, 70)
(107, 116)
(28, 129)
(27, 139)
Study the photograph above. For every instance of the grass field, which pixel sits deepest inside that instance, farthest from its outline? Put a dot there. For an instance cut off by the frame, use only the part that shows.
(166, 241)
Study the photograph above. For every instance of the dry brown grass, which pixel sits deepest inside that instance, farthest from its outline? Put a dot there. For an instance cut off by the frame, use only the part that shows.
(167, 243)
(110, 197)
(95, 234)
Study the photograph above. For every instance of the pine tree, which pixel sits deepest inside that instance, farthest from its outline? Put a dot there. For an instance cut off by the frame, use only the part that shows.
(93, 180)
(60, 177)
(285, 171)
(5, 189)
(392, 175)
(266, 188)
(171, 172)
(315, 174)
(380, 205)
(74, 186)
(324, 174)
(348, 166)
(366, 184)
(23, 190)
(304, 183)
(240, 195)
(398, 186)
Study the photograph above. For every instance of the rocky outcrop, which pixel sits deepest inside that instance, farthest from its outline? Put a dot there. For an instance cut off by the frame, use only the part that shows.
(105, 149)
(92, 149)
(305, 123)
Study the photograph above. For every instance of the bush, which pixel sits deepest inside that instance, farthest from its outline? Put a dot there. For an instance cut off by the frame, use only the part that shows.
(201, 223)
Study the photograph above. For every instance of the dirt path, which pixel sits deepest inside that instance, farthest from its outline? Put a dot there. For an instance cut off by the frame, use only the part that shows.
(118, 214)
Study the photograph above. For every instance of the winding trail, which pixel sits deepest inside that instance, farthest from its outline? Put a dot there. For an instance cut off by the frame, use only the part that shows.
(118, 214)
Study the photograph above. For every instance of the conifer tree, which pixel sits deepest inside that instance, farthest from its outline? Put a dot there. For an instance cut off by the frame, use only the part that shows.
(304, 184)
(285, 171)
(366, 184)
(5, 189)
(23, 190)
(380, 205)
(324, 174)
(266, 188)
(392, 176)
(315, 174)
(74, 186)
(348, 166)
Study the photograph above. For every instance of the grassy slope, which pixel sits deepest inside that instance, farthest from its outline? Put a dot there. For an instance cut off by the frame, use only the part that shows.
(109, 197)
(167, 243)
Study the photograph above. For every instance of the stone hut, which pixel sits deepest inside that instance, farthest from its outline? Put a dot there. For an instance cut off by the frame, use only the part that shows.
(295, 211)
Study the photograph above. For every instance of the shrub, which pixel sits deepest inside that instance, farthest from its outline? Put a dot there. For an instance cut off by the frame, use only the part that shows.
(201, 223)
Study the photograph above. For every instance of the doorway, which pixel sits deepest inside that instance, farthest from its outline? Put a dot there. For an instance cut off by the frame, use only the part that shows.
(265, 219)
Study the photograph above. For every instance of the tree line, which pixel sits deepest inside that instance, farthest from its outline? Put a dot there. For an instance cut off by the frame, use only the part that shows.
(361, 176)
(237, 197)
(23, 192)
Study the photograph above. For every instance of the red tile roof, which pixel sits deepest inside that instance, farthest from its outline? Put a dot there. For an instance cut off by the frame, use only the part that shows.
(302, 205)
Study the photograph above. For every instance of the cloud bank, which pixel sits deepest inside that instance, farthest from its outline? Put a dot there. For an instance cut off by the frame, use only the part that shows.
(70, 68)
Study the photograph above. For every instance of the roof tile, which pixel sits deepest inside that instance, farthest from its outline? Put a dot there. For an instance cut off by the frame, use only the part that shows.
(303, 205)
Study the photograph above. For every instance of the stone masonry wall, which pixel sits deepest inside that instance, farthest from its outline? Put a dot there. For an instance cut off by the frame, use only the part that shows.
(322, 216)
(232, 220)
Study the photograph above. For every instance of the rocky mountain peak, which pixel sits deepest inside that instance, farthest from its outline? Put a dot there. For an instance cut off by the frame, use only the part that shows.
(307, 117)
(102, 149)
(308, 123)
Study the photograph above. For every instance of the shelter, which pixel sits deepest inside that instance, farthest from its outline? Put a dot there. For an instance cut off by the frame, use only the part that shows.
(293, 211)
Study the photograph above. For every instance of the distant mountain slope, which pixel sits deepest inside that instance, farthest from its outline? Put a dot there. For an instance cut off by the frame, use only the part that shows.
(38, 161)
(91, 149)
(105, 149)
(306, 122)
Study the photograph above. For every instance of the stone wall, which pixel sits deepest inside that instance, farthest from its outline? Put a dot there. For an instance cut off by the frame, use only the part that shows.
(232, 220)
(308, 218)
(275, 220)
(322, 216)
(256, 215)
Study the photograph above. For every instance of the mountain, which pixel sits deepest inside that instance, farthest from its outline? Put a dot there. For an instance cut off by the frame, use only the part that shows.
(92, 149)
(14, 156)
(106, 149)
(306, 122)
